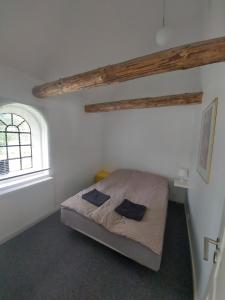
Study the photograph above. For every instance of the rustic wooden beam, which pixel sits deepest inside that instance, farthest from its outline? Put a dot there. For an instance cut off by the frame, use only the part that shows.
(178, 58)
(171, 100)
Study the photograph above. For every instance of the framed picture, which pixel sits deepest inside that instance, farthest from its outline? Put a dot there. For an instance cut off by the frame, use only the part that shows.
(207, 140)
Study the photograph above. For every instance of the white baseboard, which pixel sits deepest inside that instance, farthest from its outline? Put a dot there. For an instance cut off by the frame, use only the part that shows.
(27, 226)
(190, 236)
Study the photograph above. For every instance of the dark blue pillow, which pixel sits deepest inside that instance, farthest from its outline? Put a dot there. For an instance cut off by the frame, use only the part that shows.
(131, 210)
(96, 197)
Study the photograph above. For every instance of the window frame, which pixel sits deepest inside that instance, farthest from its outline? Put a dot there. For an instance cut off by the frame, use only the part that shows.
(40, 169)
(20, 145)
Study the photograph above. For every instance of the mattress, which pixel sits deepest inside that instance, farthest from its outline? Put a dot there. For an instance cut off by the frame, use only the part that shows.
(122, 234)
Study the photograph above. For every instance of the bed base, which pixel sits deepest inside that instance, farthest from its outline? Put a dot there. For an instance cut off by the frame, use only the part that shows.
(120, 244)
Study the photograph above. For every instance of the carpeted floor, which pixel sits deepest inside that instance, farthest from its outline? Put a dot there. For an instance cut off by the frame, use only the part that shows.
(52, 262)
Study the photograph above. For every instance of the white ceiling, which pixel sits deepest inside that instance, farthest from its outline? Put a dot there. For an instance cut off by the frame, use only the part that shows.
(53, 38)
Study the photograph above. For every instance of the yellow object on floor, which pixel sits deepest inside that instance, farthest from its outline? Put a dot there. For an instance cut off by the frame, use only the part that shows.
(101, 175)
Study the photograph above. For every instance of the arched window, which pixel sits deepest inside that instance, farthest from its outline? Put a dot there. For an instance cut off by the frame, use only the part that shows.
(15, 144)
(23, 142)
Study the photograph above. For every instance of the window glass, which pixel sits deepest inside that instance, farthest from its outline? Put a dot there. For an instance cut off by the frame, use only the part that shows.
(11, 128)
(15, 143)
(13, 152)
(14, 165)
(6, 118)
(25, 139)
(2, 126)
(25, 151)
(2, 139)
(17, 120)
(12, 139)
(26, 163)
(24, 127)
(3, 154)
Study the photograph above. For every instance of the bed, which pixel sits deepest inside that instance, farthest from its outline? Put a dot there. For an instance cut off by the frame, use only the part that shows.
(141, 241)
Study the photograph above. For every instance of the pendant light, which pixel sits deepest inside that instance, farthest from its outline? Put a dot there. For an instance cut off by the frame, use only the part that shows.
(163, 35)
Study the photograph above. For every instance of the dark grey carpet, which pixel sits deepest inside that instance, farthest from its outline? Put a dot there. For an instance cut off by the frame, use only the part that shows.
(52, 262)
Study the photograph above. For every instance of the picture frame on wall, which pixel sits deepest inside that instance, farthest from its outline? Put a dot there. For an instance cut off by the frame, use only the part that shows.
(207, 140)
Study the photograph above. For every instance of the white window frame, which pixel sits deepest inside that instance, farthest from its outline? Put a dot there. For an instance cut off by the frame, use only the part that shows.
(40, 150)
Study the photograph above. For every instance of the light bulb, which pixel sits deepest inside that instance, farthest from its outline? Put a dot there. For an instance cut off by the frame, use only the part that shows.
(162, 36)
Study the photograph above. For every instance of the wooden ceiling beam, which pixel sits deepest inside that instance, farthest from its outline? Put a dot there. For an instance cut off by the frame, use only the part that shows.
(171, 100)
(178, 58)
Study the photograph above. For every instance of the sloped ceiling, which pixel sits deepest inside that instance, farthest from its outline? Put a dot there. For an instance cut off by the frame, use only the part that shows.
(52, 38)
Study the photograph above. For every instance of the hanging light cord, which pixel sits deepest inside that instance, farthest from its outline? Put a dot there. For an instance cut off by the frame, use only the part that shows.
(164, 10)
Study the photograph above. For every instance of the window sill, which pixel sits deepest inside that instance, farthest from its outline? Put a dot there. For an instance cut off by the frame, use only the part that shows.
(24, 182)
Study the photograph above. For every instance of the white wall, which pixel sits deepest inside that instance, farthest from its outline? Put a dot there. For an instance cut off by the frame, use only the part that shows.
(75, 153)
(206, 200)
(22, 208)
(158, 140)
(76, 145)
